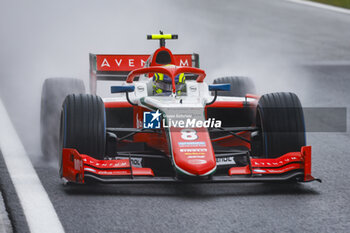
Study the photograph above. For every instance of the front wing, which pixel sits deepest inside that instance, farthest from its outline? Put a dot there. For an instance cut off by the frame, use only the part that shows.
(78, 168)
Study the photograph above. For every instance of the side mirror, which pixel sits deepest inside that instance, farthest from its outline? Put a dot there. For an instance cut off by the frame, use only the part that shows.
(216, 88)
(126, 89)
(119, 89)
(220, 87)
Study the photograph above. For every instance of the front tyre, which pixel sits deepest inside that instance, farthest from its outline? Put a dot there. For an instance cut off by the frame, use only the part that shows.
(83, 126)
(280, 120)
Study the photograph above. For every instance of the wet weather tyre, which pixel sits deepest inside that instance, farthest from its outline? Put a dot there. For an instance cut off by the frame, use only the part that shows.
(280, 118)
(83, 125)
(54, 91)
(240, 86)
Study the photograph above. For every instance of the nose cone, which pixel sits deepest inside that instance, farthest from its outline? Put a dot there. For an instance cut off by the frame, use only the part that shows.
(193, 155)
(196, 167)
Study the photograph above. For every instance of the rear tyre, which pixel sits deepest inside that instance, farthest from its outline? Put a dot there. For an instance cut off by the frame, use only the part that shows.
(240, 86)
(280, 120)
(54, 91)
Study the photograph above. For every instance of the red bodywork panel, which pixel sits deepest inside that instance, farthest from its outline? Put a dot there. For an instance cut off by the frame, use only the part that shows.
(74, 165)
(124, 104)
(195, 155)
(231, 140)
(106, 62)
(285, 163)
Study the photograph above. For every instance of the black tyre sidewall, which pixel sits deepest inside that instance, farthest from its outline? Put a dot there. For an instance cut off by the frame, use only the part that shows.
(282, 124)
(85, 125)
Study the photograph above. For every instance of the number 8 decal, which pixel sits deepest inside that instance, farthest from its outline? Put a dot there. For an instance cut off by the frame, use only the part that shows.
(189, 134)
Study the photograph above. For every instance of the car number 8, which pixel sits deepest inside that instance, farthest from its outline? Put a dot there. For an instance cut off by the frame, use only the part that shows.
(189, 134)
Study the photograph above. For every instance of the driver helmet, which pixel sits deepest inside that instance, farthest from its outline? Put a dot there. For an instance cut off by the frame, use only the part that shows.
(162, 84)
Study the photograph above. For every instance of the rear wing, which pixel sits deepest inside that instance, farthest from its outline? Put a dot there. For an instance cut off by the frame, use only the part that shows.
(113, 67)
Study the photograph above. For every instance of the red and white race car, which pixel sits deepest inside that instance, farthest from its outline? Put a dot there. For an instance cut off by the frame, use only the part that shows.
(220, 132)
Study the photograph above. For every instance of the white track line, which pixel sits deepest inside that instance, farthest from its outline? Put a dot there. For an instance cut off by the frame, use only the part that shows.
(320, 5)
(38, 209)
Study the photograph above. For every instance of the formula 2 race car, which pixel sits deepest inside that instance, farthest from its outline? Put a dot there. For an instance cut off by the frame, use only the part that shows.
(220, 132)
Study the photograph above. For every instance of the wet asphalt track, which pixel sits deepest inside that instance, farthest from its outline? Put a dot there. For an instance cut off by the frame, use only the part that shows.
(271, 41)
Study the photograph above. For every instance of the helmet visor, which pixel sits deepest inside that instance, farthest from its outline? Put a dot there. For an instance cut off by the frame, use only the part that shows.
(168, 87)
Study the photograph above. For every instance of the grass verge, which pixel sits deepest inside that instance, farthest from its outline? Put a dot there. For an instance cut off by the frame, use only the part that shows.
(339, 3)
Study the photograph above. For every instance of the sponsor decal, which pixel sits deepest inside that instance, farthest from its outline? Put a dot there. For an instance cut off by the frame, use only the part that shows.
(259, 170)
(129, 62)
(136, 162)
(78, 164)
(151, 120)
(281, 170)
(225, 161)
(197, 152)
(194, 150)
(192, 144)
(196, 157)
(194, 154)
(89, 169)
(189, 134)
(277, 163)
(197, 161)
(107, 164)
(192, 123)
(121, 172)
